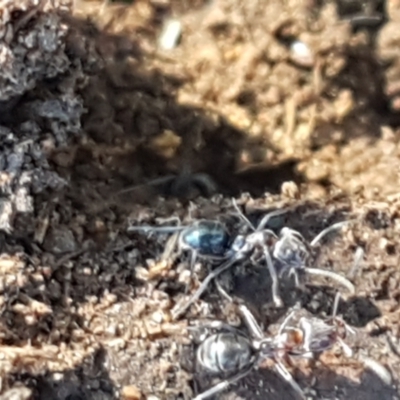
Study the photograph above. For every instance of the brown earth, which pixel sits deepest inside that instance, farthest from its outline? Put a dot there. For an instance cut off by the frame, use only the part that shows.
(85, 315)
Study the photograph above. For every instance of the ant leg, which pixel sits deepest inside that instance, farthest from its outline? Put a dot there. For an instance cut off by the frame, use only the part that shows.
(332, 275)
(154, 182)
(285, 322)
(382, 372)
(156, 229)
(347, 350)
(251, 323)
(345, 347)
(248, 317)
(223, 292)
(336, 305)
(269, 232)
(357, 263)
(274, 278)
(262, 224)
(286, 375)
(328, 230)
(391, 343)
(294, 272)
(213, 274)
(224, 384)
(285, 231)
(242, 216)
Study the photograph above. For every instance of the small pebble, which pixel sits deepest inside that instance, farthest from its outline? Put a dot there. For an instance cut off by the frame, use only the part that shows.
(131, 392)
(301, 54)
(18, 393)
(170, 35)
(290, 190)
(158, 317)
(60, 240)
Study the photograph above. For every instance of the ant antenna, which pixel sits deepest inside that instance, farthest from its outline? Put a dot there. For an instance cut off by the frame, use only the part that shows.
(242, 216)
(154, 182)
(328, 230)
(285, 322)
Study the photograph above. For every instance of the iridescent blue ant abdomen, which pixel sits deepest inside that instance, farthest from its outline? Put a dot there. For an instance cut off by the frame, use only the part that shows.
(207, 238)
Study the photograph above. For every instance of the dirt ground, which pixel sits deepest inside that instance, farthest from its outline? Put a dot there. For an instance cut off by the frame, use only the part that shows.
(235, 109)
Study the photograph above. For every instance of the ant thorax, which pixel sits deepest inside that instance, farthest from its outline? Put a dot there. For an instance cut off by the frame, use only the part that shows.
(291, 250)
(319, 335)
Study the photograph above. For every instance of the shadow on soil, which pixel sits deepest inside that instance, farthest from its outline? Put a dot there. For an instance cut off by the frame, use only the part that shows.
(131, 108)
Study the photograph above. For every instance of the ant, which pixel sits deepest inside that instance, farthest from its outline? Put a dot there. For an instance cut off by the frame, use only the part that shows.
(227, 350)
(290, 253)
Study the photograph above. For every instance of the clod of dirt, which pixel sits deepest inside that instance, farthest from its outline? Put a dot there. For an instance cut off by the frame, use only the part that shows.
(39, 75)
(131, 393)
(33, 49)
(18, 393)
(60, 241)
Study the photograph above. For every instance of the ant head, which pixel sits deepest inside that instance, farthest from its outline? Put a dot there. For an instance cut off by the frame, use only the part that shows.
(291, 339)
